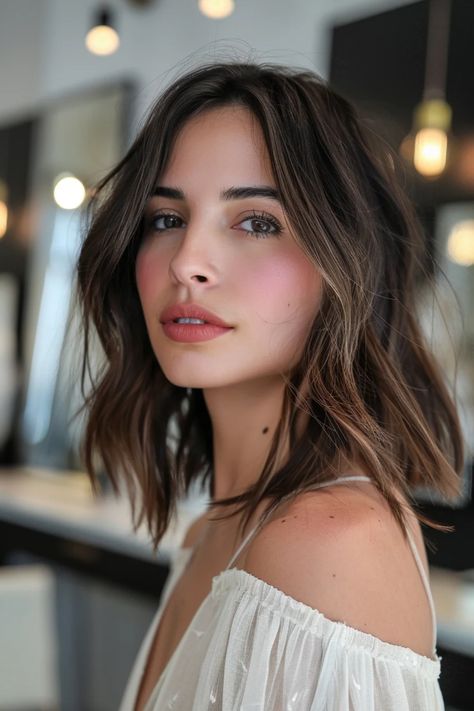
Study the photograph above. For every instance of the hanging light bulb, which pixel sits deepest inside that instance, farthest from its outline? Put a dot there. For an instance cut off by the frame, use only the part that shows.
(102, 38)
(433, 121)
(3, 209)
(216, 9)
(432, 117)
(460, 244)
(68, 191)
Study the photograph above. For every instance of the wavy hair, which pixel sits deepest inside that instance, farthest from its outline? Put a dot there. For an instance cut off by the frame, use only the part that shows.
(367, 380)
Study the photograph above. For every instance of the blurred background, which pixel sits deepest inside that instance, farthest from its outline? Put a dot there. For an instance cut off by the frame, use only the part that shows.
(78, 588)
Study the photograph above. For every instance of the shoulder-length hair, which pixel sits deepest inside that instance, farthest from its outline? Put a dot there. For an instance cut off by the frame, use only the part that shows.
(367, 380)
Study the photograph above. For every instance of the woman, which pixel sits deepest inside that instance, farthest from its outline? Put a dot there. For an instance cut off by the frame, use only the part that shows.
(250, 271)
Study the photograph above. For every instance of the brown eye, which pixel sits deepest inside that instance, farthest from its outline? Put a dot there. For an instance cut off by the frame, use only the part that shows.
(266, 225)
(169, 222)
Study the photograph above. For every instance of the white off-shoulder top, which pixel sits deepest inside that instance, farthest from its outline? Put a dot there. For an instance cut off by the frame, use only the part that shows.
(251, 647)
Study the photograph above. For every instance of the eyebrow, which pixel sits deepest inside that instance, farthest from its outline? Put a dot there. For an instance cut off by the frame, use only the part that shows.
(232, 193)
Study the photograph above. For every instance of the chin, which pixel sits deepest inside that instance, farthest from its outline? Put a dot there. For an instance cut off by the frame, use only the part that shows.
(205, 382)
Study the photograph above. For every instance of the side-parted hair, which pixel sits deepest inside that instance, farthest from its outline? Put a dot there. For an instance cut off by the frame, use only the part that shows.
(367, 381)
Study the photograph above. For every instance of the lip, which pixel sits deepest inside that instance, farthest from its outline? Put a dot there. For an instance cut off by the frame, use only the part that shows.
(192, 333)
(191, 311)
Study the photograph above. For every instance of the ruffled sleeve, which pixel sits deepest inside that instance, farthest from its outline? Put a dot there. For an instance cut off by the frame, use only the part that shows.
(251, 647)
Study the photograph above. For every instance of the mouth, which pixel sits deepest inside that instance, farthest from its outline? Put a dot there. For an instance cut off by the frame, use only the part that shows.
(196, 323)
(193, 332)
(190, 313)
(192, 321)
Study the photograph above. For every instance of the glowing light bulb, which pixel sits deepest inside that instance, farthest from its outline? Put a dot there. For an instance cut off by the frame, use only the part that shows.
(102, 40)
(432, 121)
(3, 218)
(68, 192)
(217, 9)
(431, 145)
(460, 244)
(3, 208)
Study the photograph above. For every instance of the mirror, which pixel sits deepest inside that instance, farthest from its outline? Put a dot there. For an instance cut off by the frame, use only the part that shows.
(448, 320)
(82, 136)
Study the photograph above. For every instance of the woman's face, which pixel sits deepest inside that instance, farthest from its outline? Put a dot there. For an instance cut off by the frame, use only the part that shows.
(261, 284)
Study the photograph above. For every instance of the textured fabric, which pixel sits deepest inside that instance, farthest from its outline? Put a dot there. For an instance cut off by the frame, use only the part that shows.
(251, 647)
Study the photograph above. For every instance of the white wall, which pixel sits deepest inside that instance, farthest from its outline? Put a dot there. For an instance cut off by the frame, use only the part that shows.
(23, 31)
(42, 52)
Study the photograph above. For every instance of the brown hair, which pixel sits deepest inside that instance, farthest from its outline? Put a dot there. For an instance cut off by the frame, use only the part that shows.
(367, 380)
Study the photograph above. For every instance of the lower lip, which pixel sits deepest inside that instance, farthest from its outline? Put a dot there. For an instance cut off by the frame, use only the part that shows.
(192, 332)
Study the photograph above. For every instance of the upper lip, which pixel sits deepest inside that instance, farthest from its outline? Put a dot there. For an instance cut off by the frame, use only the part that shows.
(191, 311)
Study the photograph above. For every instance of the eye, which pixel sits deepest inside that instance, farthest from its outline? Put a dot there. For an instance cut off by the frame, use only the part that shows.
(264, 225)
(271, 226)
(169, 221)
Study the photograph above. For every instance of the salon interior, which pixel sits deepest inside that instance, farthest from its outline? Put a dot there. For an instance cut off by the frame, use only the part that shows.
(78, 587)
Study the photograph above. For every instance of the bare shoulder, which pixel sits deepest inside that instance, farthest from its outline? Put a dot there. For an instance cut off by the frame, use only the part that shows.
(340, 551)
(317, 533)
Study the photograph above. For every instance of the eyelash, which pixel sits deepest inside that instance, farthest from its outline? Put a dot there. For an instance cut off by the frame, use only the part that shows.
(261, 216)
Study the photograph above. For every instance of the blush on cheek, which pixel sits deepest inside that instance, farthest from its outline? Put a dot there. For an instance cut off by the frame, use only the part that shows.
(149, 274)
(281, 283)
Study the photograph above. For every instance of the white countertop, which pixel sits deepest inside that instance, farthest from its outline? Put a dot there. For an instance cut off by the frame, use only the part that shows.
(62, 503)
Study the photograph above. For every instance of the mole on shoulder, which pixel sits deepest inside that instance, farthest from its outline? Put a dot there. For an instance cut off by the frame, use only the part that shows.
(265, 430)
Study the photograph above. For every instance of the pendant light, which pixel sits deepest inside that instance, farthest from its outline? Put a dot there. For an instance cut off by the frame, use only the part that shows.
(460, 244)
(216, 9)
(432, 116)
(102, 38)
(69, 192)
(3, 208)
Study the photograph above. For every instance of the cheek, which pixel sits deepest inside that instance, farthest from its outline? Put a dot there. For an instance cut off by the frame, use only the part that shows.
(149, 274)
(285, 285)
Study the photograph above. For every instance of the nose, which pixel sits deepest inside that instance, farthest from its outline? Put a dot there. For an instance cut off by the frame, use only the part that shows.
(192, 260)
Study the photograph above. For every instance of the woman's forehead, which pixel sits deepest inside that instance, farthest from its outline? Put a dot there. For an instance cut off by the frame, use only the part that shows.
(226, 142)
